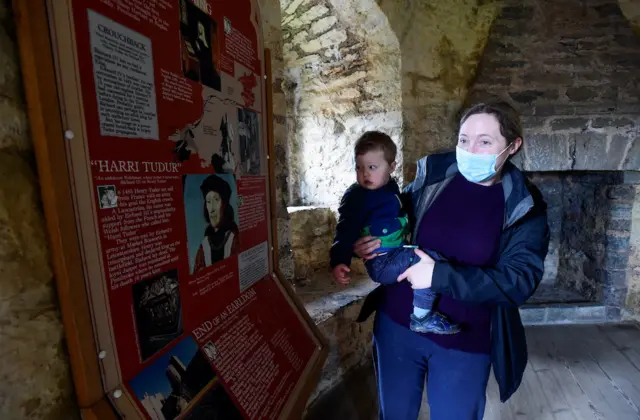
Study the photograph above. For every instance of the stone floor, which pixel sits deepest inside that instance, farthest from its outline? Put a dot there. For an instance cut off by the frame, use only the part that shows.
(575, 372)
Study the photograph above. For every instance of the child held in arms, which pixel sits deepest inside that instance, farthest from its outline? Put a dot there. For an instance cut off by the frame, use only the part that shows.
(372, 207)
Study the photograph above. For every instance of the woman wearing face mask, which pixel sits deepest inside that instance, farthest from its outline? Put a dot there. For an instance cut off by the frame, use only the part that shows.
(482, 234)
(221, 234)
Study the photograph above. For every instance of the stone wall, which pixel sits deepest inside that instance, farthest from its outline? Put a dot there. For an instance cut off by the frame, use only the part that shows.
(35, 379)
(441, 45)
(571, 67)
(590, 218)
(312, 232)
(552, 187)
(357, 65)
(633, 270)
(631, 10)
(342, 78)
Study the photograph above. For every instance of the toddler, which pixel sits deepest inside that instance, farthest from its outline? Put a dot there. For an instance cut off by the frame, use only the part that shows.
(372, 207)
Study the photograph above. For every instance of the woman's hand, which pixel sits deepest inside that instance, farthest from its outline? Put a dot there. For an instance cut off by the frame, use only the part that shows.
(365, 247)
(420, 274)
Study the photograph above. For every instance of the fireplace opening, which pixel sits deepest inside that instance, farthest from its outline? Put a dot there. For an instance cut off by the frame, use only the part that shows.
(590, 219)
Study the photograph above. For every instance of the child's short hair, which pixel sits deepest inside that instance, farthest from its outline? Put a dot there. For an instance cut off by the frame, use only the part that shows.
(376, 140)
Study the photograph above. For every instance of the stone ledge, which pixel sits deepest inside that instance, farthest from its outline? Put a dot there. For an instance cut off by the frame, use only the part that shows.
(570, 313)
(323, 297)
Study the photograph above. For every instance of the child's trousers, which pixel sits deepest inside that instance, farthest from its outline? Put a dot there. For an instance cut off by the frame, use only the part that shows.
(383, 269)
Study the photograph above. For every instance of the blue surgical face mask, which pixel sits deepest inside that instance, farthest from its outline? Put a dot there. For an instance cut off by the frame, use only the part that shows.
(477, 167)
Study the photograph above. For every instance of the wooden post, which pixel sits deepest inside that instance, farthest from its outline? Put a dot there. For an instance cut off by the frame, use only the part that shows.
(272, 161)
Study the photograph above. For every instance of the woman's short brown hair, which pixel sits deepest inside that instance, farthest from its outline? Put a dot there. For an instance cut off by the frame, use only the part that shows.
(376, 140)
(508, 118)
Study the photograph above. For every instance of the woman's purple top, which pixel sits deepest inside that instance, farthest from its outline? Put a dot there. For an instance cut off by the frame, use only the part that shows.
(463, 224)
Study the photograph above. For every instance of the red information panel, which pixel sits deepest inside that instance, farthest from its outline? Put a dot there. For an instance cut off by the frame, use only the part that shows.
(173, 105)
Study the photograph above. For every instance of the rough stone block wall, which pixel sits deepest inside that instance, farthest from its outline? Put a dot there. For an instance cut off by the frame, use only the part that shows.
(633, 296)
(590, 218)
(35, 379)
(551, 187)
(441, 44)
(619, 230)
(571, 67)
(311, 239)
(342, 78)
(312, 234)
(357, 65)
(631, 9)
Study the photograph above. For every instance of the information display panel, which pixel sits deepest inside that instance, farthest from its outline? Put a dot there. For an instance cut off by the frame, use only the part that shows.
(164, 104)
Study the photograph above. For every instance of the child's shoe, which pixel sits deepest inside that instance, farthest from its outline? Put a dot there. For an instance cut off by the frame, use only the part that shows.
(434, 322)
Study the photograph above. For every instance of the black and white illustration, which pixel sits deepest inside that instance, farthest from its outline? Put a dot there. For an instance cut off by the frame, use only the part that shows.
(158, 312)
(211, 351)
(213, 137)
(249, 137)
(223, 160)
(107, 196)
(200, 48)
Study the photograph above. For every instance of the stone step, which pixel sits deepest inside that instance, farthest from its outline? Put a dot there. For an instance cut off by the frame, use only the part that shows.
(569, 313)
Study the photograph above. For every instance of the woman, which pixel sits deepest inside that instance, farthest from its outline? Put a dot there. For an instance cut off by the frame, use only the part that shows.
(221, 235)
(483, 236)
